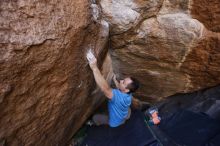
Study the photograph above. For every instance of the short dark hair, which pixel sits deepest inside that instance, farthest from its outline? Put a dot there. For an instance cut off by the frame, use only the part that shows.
(133, 86)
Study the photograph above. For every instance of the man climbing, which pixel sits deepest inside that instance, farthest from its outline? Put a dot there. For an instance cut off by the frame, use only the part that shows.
(119, 100)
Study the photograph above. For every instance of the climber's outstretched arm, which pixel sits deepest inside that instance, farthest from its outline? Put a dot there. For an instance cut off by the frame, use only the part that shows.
(100, 80)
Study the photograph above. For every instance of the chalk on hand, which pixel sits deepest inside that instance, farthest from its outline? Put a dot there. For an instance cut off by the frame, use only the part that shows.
(90, 56)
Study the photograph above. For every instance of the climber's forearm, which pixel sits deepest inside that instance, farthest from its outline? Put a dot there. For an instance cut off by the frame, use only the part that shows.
(102, 83)
(136, 103)
(115, 81)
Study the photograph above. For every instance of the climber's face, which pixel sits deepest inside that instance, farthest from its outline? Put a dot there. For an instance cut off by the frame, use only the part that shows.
(124, 83)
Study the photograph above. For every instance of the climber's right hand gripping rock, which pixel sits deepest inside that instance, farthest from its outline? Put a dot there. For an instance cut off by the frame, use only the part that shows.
(92, 59)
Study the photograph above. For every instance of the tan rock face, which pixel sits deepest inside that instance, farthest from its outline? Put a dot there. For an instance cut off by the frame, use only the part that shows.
(126, 14)
(207, 12)
(44, 76)
(168, 51)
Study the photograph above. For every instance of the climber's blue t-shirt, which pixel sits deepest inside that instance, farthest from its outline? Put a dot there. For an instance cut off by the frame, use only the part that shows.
(118, 107)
